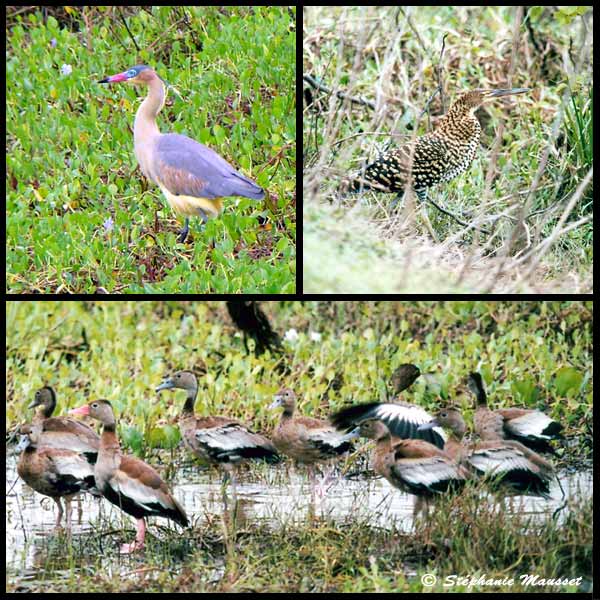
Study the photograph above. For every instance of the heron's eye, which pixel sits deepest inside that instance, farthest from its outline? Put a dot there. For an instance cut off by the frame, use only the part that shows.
(131, 73)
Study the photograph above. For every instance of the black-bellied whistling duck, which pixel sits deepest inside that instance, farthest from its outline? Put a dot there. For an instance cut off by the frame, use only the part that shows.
(252, 321)
(414, 466)
(403, 377)
(219, 440)
(502, 461)
(62, 432)
(127, 482)
(54, 472)
(401, 418)
(305, 439)
(530, 427)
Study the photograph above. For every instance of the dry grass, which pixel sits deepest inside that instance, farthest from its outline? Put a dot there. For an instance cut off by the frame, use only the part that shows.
(385, 64)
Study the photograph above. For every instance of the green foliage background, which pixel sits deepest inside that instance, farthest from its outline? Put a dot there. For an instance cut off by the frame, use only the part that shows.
(535, 354)
(70, 161)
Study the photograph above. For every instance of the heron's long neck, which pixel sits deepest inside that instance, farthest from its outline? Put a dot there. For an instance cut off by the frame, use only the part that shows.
(145, 126)
(145, 130)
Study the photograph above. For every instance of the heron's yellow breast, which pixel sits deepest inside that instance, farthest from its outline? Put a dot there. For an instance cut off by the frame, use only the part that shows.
(189, 205)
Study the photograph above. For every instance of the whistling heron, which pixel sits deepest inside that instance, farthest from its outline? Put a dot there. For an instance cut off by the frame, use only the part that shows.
(192, 177)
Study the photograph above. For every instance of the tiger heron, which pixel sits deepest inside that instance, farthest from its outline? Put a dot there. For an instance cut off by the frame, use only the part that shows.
(193, 178)
(436, 157)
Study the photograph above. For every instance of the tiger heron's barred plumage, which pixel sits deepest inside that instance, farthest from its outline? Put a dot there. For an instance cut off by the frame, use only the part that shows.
(438, 156)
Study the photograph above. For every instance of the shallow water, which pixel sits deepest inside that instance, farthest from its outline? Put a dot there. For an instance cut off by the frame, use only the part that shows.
(271, 497)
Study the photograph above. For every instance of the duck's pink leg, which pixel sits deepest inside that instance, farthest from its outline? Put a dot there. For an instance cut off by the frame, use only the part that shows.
(138, 544)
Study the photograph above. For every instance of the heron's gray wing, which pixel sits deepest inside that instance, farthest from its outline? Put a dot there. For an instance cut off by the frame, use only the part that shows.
(186, 167)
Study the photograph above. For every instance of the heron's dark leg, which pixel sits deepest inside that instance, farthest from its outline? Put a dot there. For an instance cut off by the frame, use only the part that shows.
(203, 216)
(183, 233)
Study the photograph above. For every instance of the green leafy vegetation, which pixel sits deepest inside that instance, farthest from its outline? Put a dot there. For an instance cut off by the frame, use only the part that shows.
(78, 219)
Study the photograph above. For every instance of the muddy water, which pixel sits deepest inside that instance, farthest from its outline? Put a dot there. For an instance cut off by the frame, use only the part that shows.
(271, 496)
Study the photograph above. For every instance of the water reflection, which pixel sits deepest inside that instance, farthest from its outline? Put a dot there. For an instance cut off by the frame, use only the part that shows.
(270, 496)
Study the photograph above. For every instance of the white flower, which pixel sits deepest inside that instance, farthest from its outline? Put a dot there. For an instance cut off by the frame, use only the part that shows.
(291, 335)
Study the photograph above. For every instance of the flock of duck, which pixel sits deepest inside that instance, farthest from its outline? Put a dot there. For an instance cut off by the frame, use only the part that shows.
(422, 454)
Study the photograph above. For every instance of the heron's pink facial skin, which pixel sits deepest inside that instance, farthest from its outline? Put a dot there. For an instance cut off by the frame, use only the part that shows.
(117, 78)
